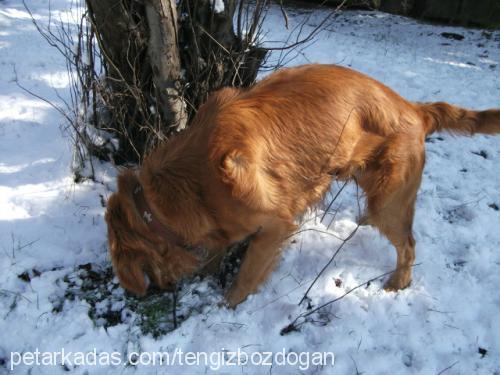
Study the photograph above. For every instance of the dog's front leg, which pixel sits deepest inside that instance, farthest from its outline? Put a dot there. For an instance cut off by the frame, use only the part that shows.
(260, 259)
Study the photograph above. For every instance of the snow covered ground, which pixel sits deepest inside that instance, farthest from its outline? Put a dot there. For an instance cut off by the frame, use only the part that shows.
(446, 322)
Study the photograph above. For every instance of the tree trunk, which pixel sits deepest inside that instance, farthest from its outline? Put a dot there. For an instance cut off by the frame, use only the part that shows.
(163, 52)
(160, 67)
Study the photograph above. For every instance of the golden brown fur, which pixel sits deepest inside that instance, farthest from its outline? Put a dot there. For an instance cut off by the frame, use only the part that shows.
(255, 160)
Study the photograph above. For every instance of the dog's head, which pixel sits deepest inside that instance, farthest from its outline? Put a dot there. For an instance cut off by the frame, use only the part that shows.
(139, 254)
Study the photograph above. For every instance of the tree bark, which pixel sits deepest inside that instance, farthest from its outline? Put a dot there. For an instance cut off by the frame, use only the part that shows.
(163, 52)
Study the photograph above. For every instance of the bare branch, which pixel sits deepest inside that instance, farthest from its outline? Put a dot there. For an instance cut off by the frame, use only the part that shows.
(295, 324)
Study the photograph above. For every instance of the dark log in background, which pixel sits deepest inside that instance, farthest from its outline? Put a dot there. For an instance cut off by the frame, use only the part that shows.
(479, 13)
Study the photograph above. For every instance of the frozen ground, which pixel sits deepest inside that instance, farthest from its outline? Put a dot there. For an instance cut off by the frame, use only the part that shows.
(52, 229)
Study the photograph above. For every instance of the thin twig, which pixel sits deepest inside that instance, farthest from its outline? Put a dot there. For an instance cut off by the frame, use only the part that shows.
(447, 368)
(313, 33)
(328, 263)
(333, 200)
(5, 291)
(283, 12)
(174, 307)
(293, 326)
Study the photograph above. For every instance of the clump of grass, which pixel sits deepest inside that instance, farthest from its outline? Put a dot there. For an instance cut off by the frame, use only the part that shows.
(157, 313)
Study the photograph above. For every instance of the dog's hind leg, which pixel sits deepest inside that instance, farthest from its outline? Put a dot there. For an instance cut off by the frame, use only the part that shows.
(259, 260)
(395, 221)
(391, 182)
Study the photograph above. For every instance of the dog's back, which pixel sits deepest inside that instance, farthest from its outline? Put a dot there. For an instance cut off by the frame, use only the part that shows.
(286, 136)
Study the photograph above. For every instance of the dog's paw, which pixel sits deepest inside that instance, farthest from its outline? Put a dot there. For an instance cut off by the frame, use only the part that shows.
(397, 281)
(234, 297)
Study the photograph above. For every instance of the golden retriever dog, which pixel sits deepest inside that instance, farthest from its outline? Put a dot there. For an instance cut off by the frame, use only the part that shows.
(254, 160)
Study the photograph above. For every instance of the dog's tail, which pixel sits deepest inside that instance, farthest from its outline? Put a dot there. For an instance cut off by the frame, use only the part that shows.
(442, 116)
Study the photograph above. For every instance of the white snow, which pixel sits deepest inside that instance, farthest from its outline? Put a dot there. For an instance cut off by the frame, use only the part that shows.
(218, 6)
(451, 310)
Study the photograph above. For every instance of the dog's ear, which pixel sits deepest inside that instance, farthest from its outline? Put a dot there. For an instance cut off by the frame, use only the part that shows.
(130, 272)
(127, 263)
